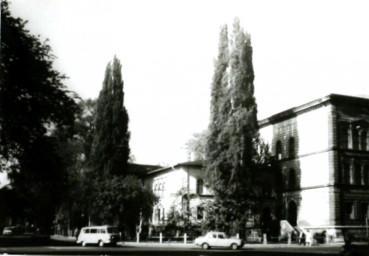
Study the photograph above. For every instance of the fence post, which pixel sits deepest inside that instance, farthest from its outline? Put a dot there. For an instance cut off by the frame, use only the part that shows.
(289, 238)
(265, 239)
(160, 238)
(185, 238)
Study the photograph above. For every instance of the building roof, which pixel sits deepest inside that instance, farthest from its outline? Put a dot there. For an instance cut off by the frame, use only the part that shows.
(197, 163)
(141, 169)
(334, 99)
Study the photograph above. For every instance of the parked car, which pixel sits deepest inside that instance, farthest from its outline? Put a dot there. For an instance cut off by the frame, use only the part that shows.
(12, 230)
(218, 239)
(100, 235)
(254, 237)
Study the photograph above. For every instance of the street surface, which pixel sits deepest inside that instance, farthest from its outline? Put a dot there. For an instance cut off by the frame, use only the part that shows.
(190, 250)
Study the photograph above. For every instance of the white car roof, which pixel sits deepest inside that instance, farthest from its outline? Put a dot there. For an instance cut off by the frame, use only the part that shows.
(104, 226)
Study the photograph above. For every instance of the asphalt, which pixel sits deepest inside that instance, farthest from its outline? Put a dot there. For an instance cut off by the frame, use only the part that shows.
(59, 245)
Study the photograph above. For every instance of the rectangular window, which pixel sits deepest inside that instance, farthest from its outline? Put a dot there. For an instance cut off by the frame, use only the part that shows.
(184, 182)
(346, 173)
(357, 174)
(352, 175)
(364, 211)
(355, 139)
(366, 174)
(200, 212)
(93, 231)
(363, 140)
(344, 136)
(158, 214)
(350, 210)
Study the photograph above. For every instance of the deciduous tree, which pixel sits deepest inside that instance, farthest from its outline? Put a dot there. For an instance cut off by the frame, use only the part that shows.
(33, 102)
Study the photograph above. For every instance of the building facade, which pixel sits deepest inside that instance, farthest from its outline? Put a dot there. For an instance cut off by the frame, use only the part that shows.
(180, 189)
(322, 153)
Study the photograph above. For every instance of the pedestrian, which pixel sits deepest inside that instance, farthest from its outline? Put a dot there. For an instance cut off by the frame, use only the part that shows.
(302, 238)
(308, 238)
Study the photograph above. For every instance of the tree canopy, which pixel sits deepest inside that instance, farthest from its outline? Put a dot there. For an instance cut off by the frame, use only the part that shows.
(111, 141)
(233, 128)
(33, 102)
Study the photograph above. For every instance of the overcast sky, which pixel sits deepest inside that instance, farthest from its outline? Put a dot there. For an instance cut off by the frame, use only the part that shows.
(303, 50)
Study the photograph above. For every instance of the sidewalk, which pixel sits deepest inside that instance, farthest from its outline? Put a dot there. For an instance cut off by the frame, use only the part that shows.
(192, 245)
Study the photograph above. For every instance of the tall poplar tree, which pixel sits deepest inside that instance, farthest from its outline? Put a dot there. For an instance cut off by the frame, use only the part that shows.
(111, 142)
(219, 108)
(233, 130)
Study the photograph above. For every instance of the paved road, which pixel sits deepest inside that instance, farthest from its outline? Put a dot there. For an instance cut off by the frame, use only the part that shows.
(193, 251)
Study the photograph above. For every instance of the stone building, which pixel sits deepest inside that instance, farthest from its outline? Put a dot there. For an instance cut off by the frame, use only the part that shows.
(322, 152)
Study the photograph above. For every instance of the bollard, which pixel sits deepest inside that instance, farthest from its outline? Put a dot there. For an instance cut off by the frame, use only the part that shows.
(265, 239)
(185, 238)
(289, 238)
(138, 237)
(161, 238)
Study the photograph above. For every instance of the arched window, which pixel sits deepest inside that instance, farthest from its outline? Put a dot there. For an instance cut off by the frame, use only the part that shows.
(278, 150)
(292, 213)
(291, 147)
(363, 142)
(200, 187)
(292, 179)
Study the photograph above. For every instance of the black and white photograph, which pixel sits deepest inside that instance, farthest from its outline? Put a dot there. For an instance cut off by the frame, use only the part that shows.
(184, 127)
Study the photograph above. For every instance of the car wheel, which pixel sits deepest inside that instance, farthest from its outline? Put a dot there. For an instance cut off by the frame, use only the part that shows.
(101, 243)
(205, 246)
(234, 246)
(83, 243)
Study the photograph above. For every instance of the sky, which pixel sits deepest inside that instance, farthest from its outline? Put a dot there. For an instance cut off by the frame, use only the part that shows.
(302, 50)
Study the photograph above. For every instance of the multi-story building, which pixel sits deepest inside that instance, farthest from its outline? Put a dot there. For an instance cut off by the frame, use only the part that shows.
(322, 151)
(179, 188)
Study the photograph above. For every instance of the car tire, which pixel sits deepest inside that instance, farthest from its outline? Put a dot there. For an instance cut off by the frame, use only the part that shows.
(83, 243)
(205, 246)
(234, 246)
(101, 243)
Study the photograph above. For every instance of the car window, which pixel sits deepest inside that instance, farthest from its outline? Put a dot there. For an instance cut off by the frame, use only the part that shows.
(214, 236)
(221, 236)
(93, 231)
(86, 231)
(102, 231)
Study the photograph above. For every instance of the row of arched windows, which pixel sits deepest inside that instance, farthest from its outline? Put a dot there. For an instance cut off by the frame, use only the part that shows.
(353, 136)
(355, 173)
(291, 148)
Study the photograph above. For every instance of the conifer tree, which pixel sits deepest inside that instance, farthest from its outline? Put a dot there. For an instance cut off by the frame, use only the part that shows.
(111, 142)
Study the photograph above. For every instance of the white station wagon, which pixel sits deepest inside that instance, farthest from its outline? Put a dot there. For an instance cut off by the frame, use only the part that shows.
(218, 239)
(99, 235)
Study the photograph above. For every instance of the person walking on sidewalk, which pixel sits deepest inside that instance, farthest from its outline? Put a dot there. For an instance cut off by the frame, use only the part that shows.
(308, 238)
